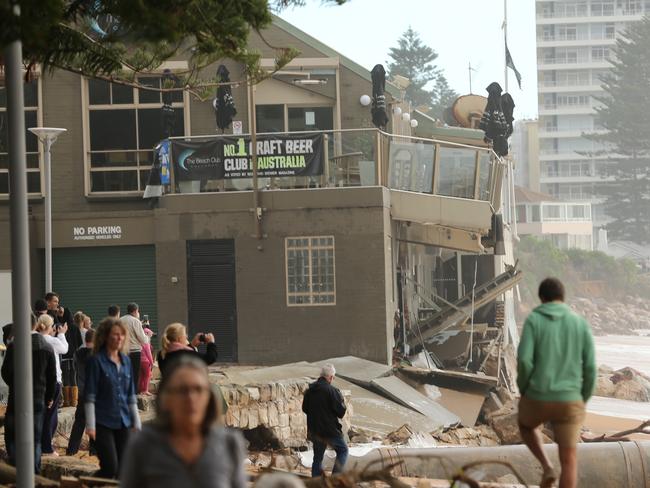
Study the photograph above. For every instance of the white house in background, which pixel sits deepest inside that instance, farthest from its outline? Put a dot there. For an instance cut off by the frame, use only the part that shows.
(567, 224)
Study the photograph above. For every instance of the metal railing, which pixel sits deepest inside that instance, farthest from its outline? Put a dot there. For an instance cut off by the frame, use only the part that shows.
(371, 157)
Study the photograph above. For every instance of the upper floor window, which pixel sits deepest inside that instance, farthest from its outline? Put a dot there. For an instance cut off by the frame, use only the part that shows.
(31, 120)
(124, 125)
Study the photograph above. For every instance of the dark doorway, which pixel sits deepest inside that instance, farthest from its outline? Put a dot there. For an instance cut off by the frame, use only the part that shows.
(212, 295)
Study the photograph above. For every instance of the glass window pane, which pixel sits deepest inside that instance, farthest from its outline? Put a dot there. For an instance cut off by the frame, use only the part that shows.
(31, 93)
(34, 182)
(4, 182)
(105, 160)
(456, 173)
(32, 160)
(31, 140)
(113, 181)
(99, 92)
(112, 129)
(122, 94)
(270, 118)
(311, 118)
(150, 126)
(148, 96)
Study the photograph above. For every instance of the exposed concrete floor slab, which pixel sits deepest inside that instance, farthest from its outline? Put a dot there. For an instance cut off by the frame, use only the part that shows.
(357, 370)
(408, 396)
(380, 415)
(241, 376)
(466, 405)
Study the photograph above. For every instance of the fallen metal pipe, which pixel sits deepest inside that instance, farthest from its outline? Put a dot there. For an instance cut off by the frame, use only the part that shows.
(602, 465)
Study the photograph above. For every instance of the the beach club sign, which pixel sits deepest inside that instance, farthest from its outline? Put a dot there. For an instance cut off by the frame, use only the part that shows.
(96, 232)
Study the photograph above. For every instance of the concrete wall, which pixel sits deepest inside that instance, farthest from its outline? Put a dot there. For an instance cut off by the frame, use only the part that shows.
(268, 330)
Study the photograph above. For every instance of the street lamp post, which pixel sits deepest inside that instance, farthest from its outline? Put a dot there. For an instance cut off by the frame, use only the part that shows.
(48, 136)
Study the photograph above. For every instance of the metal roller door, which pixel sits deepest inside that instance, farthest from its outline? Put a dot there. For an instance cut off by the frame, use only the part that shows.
(92, 278)
(212, 295)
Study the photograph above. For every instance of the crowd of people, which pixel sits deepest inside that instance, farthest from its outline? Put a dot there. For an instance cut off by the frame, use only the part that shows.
(100, 370)
(187, 444)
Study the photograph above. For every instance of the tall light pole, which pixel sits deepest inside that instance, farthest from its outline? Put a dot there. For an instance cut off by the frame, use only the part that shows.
(48, 136)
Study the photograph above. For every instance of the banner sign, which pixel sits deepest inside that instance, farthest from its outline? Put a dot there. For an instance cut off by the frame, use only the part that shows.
(230, 157)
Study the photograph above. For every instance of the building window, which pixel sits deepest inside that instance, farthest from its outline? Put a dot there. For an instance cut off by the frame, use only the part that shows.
(271, 118)
(33, 159)
(125, 124)
(310, 271)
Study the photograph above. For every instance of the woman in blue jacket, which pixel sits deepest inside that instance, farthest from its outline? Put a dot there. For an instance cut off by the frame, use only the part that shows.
(110, 401)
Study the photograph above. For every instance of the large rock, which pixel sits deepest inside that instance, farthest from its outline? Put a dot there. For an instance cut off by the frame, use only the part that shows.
(506, 428)
(55, 467)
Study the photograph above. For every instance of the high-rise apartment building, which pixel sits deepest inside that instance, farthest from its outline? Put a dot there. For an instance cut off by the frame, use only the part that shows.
(575, 40)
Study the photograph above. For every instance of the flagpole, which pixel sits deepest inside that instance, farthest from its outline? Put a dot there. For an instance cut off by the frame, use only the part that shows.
(505, 43)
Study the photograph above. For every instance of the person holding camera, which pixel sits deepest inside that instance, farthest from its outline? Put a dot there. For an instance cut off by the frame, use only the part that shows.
(63, 316)
(175, 343)
(55, 337)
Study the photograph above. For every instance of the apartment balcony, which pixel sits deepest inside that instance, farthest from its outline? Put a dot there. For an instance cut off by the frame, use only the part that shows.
(552, 109)
(615, 15)
(569, 87)
(557, 155)
(557, 132)
(558, 41)
(546, 64)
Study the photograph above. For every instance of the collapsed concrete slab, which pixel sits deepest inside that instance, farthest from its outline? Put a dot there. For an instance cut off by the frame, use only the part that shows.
(380, 416)
(401, 392)
(357, 370)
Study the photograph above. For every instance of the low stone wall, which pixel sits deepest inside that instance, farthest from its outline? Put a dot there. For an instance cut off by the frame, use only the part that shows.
(274, 410)
(270, 414)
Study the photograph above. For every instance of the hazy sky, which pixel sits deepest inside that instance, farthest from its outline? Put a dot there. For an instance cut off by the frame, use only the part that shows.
(460, 31)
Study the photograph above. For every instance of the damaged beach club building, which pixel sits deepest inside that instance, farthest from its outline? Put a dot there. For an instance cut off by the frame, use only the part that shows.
(349, 241)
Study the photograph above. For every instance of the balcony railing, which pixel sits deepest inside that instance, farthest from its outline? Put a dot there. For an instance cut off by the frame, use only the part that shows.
(610, 12)
(577, 37)
(370, 157)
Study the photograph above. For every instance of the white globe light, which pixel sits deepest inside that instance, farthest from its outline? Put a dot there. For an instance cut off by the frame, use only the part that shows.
(364, 100)
(406, 117)
(397, 111)
(414, 123)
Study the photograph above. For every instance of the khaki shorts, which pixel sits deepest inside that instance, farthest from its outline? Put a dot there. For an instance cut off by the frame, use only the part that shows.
(565, 417)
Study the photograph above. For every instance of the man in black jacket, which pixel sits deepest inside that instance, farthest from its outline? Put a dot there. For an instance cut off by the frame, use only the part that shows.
(44, 383)
(324, 406)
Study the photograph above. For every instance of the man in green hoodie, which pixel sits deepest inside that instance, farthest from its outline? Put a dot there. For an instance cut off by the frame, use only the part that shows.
(556, 375)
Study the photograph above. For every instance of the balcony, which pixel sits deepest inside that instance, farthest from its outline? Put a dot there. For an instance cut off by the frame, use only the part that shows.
(570, 86)
(555, 109)
(429, 182)
(583, 16)
(567, 132)
(576, 41)
(581, 62)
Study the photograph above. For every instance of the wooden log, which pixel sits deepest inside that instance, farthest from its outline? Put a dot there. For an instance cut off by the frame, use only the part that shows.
(8, 475)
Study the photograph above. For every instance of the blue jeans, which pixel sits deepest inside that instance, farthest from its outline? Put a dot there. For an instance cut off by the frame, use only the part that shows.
(10, 438)
(320, 444)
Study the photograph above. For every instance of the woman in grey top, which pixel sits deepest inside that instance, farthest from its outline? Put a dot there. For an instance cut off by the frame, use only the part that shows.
(186, 445)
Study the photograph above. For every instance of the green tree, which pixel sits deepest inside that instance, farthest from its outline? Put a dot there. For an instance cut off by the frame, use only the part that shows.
(625, 114)
(115, 40)
(443, 97)
(415, 60)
